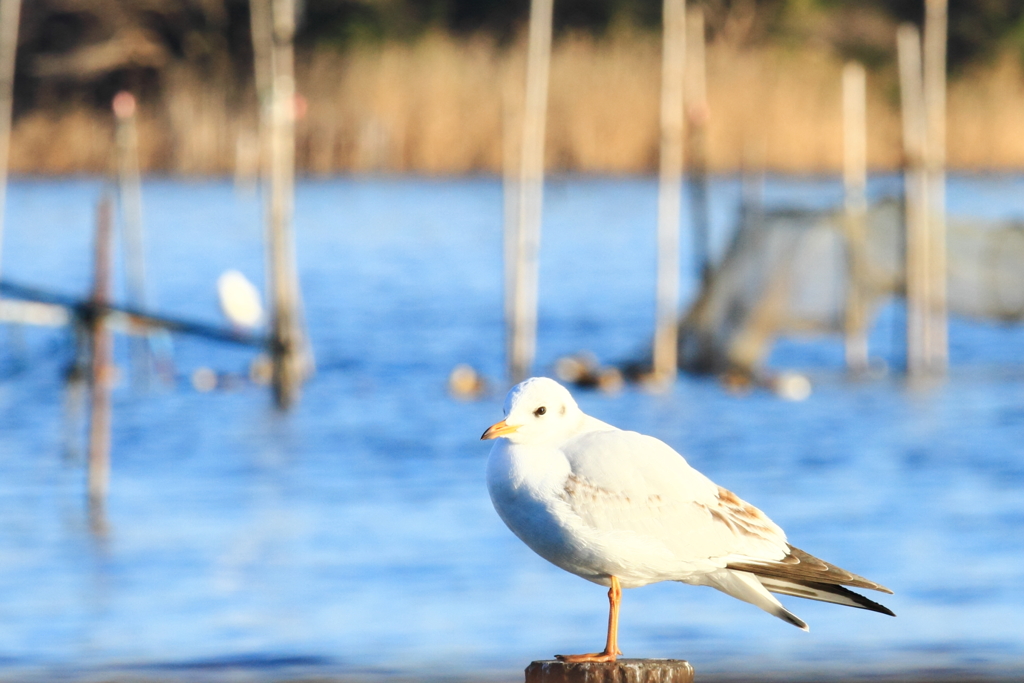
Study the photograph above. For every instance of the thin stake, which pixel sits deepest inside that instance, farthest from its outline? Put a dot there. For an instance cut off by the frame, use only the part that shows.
(261, 25)
(510, 191)
(292, 358)
(916, 196)
(531, 188)
(698, 115)
(935, 28)
(102, 361)
(855, 184)
(10, 15)
(670, 190)
(130, 190)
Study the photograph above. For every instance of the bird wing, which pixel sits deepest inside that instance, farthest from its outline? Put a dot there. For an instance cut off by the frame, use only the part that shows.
(806, 576)
(644, 496)
(633, 485)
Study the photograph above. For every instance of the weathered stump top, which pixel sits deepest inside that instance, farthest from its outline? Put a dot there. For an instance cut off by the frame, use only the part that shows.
(621, 671)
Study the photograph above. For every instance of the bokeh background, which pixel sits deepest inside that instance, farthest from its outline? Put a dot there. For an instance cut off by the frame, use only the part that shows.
(352, 538)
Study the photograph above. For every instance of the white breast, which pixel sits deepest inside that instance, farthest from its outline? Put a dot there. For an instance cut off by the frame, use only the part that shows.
(537, 496)
(615, 503)
(527, 487)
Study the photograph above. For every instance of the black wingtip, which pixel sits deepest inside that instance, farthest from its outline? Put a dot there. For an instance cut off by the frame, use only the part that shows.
(863, 602)
(885, 610)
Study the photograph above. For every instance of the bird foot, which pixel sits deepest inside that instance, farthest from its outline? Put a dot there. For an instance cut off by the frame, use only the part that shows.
(592, 657)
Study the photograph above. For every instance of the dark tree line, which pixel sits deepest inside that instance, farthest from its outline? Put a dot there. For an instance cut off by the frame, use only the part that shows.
(91, 48)
(977, 27)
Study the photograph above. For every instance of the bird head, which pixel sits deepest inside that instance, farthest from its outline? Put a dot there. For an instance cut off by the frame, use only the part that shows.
(537, 410)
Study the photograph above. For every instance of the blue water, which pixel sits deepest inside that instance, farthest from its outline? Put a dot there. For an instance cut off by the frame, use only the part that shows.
(354, 536)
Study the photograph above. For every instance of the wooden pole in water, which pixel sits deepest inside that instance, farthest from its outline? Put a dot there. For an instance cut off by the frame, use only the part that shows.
(620, 671)
(130, 191)
(510, 196)
(523, 322)
(292, 359)
(698, 114)
(915, 196)
(101, 367)
(855, 177)
(10, 15)
(935, 29)
(666, 334)
(261, 25)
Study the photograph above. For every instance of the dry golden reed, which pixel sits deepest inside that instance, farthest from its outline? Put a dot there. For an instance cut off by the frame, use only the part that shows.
(443, 105)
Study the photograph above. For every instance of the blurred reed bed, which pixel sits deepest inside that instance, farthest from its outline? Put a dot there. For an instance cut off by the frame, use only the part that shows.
(986, 116)
(434, 106)
(445, 105)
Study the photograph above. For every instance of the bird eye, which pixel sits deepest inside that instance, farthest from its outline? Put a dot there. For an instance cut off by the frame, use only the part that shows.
(540, 411)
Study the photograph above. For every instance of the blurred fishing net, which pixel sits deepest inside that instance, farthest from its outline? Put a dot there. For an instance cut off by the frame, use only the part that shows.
(787, 273)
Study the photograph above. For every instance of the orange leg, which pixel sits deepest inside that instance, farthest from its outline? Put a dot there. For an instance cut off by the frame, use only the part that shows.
(611, 646)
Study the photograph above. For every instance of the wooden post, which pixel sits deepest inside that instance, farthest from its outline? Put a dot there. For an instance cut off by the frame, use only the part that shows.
(673, 63)
(130, 193)
(101, 367)
(510, 217)
(292, 359)
(523, 322)
(855, 184)
(10, 15)
(620, 671)
(261, 25)
(698, 114)
(915, 197)
(935, 28)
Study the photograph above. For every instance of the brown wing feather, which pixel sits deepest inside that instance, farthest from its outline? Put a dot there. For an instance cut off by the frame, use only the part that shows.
(799, 567)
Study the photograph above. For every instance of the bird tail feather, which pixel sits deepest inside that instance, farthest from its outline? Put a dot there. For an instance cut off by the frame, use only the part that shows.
(746, 587)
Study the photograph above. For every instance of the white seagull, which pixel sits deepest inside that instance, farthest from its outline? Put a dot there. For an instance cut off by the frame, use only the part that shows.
(624, 510)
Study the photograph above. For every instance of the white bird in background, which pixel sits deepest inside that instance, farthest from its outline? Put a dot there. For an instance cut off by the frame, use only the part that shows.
(624, 510)
(240, 301)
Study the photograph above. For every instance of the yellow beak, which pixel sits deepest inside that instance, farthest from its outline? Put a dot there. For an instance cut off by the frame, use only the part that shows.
(498, 429)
